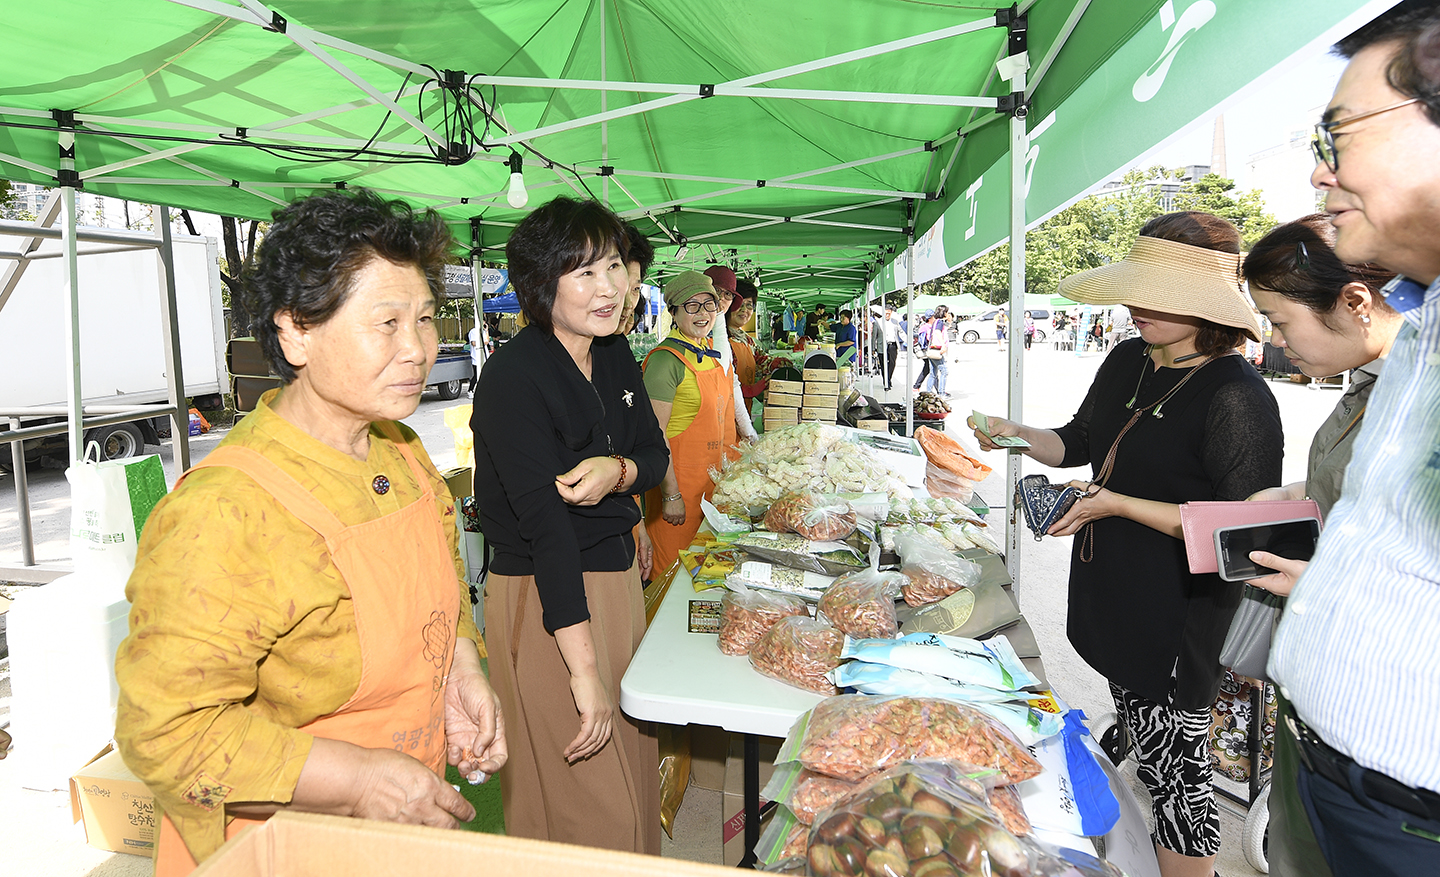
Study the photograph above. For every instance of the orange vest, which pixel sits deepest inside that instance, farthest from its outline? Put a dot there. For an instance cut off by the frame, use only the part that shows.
(708, 439)
(406, 600)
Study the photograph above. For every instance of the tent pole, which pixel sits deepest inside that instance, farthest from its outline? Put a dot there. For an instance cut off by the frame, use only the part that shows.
(910, 304)
(170, 326)
(475, 250)
(604, 105)
(72, 303)
(1015, 410)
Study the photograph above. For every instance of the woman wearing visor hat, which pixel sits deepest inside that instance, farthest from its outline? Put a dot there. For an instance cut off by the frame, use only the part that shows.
(1174, 416)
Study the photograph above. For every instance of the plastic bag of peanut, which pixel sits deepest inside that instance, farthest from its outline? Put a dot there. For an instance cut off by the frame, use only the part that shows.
(745, 616)
(799, 651)
(853, 735)
(862, 604)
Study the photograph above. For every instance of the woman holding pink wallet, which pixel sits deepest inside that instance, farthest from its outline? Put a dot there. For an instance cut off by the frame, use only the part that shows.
(1330, 318)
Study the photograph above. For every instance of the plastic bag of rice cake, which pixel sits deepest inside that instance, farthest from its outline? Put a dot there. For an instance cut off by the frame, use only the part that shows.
(992, 663)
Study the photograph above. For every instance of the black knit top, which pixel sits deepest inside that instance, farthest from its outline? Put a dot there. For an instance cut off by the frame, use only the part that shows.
(1137, 614)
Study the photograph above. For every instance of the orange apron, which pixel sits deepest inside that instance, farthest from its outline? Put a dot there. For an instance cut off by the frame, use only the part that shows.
(744, 362)
(702, 445)
(406, 600)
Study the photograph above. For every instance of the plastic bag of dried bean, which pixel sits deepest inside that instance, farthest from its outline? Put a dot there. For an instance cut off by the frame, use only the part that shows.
(820, 517)
(745, 616)
(862, 604)
(853, 735)
(799, 651)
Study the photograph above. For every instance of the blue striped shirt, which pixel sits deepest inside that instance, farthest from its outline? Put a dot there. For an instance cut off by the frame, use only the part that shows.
(1358, 648)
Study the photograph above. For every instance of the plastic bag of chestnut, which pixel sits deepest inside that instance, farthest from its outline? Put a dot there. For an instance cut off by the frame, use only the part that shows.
(930, 820)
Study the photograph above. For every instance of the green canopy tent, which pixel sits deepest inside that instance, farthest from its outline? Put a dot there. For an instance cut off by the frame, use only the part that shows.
(807, 143)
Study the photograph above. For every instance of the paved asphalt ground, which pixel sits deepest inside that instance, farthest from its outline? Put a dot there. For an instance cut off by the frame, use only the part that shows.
(36, 825)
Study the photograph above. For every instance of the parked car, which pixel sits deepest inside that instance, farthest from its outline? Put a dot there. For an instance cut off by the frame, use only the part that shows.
(981, 327)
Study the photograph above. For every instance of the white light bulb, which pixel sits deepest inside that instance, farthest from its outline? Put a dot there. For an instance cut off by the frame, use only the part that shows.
(516, 196)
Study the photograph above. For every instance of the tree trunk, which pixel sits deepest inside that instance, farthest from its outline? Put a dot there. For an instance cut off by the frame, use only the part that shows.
(239, 319)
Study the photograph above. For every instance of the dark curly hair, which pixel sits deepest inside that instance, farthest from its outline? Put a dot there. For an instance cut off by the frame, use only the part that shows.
(1415, 70)
(316, 245)
(555, 239)
(1209, 232)
(1297, 260)
(641, 250)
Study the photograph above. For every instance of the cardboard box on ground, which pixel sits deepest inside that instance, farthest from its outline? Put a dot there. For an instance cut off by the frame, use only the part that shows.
(732, 810)
(306, 843)
(118, 809)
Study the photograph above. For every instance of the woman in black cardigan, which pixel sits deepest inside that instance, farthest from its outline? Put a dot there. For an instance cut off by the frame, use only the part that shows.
(565, 439)
(1172, 417)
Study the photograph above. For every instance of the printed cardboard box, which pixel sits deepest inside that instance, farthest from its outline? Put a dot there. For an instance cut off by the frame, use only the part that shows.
(732, 830)
(118, 809)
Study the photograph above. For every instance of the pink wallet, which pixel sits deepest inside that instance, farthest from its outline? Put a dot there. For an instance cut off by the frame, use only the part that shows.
(1200, 520)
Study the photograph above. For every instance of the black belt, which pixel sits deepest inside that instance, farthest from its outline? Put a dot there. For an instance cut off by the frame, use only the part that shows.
(1334, 766)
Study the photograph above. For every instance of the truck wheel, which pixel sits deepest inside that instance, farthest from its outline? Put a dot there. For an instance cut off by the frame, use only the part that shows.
(1040, 335)
(970, 337)
(451, 389)
(117, 442)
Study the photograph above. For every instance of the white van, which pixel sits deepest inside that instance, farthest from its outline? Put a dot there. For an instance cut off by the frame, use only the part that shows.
(981, 327)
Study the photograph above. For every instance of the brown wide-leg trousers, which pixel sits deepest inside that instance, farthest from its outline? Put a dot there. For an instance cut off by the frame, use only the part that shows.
(612, 798)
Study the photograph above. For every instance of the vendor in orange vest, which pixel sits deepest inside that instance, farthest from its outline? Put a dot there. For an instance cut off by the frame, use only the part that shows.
(301, 635)
(693, 397)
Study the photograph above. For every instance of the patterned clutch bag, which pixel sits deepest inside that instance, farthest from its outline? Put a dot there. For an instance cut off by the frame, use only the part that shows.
(1043, 503)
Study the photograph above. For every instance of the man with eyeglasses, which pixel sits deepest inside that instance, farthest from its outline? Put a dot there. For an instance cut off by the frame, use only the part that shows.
(1357, 652)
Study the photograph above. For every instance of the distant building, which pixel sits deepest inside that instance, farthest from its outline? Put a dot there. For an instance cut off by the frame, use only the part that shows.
(1282, 174)
(1169, 188)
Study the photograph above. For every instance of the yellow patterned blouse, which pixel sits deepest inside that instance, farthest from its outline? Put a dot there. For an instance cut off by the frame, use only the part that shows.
(241, 627)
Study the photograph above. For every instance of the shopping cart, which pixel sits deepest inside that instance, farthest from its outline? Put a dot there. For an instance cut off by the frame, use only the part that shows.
(1114, 740)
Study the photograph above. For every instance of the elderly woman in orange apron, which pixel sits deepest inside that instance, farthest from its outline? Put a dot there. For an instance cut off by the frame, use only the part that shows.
(300, 634)
(693, 397)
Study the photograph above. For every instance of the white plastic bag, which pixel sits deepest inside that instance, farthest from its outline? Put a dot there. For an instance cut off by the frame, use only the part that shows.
(109, 503)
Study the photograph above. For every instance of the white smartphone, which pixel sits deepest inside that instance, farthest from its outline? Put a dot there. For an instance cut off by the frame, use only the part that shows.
(1293, 539)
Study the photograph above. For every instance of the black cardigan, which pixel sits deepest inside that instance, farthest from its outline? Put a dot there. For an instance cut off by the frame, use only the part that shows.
(536, 417)
(1136, 613)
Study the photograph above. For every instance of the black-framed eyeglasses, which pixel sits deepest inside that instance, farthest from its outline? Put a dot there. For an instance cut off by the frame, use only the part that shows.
(694, 307)
(1323, 143)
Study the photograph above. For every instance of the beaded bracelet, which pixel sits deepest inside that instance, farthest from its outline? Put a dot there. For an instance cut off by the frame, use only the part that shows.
(620, 482)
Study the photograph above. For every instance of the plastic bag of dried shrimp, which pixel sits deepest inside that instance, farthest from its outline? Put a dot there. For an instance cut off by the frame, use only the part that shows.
(934, 572)
(746, 615)
(862, 604)
(799, 651)
(853, 735)
(816, 516)
(803, 791)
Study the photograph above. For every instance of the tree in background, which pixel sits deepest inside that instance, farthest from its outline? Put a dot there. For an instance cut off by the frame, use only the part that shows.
(1100, 229)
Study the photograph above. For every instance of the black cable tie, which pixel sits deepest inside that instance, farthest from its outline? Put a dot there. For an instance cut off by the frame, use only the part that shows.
(277, 22)
(63, 118)
(607, 170)
(707, 91)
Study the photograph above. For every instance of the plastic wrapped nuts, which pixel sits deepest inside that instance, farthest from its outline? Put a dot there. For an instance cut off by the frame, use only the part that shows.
(862, 604)
(799, 651)
(854, 735)
(746, 615)
(816, 516)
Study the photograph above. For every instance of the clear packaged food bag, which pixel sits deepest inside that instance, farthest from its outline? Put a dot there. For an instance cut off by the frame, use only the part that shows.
(799, 651)
(797, 552)
(816, 516)
(992, 663)
(853, 735)
(927, 820)
(934, 572)
(862, 604)
(804, 792)
(765, 576)
(745, 616)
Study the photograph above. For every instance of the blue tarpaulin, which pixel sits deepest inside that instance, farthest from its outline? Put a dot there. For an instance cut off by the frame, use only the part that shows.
(502, 304)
